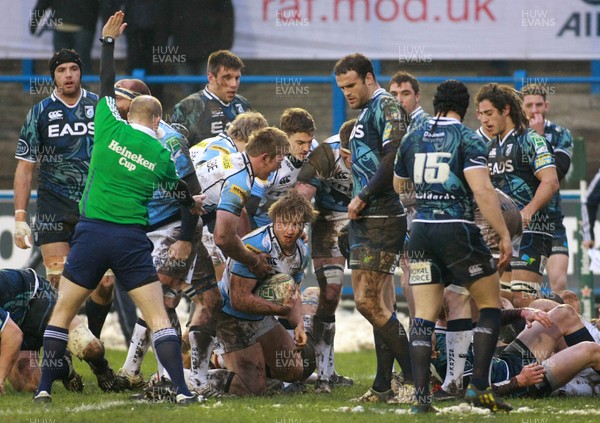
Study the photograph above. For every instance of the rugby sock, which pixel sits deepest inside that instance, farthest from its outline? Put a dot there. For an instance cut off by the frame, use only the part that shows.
(324, 331)
(201, 344)
(459, 333)
(168, 348)
(98, 365)
(96, 314)
(385, 364)
(421, 332)
(160, 371)
(578, 336)
(394, 335)
(485, 336)
(54, 365)
(140, 342)
(174, 319)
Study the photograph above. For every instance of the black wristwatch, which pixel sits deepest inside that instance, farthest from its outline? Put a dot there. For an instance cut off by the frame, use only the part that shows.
(107, 41)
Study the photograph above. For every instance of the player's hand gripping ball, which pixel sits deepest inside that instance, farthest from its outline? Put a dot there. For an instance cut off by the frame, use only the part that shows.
(277, 288)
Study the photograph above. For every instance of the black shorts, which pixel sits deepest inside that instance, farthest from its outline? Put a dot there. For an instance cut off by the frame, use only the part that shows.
(448, 253)
(99, 245)
(55, 218)
(560, 245)
(37, 316)
(534, 251)
(376, 243)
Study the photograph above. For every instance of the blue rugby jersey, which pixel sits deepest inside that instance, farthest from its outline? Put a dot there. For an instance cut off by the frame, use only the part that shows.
(513, 163)
(263, 240)
(561, 140)
(380, 122)
(163, 206)
(59, 138)
(435, 160)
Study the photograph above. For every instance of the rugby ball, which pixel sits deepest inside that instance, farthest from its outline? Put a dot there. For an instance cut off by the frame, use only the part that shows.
(276, 288)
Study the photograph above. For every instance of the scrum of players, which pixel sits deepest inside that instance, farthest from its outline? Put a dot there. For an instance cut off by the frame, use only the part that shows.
(273, 197)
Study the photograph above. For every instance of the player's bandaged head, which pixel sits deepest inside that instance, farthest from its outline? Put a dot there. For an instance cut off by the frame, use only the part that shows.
(64, 55)
(131, 88)
(451, 95)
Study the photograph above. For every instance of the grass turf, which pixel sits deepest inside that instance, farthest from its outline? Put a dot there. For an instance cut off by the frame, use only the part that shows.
(95, 406)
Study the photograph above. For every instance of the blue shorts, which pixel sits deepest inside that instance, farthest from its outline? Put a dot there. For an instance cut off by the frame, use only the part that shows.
(448, 253)
(534, 250)
(98, 245)
(55, 218)
(376, 243)
(560, 244)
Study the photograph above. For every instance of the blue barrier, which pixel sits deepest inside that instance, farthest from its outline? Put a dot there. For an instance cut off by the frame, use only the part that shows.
(518, 79)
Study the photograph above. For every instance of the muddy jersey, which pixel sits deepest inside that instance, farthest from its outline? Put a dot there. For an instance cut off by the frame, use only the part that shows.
(513, 163)
(163, 205)
(203, 115)
(263, 240)
(227, 182)
(59, 138)
(277, 184)
(332, 179)
(561, 141)
(210, 148)
(435, 157)
(380, 122)
(17, 288)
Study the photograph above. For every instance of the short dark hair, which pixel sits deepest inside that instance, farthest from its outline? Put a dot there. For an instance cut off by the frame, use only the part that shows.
(356, 62)
(401, 76)
(268, 140)
(502, 96)
(451, 95)
(295, 119)
(534, 89)
(225, 59)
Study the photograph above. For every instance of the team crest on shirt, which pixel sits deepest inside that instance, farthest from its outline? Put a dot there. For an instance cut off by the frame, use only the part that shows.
(239, 108)
(509, 149)
(89, 111)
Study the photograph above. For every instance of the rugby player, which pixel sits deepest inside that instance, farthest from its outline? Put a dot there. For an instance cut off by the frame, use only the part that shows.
(522, 166)
(299, 126)
(405, 88)
(207, 113)
(325, 175)
(232, 140)
(26, 301)
(227, 182)
(377, 218)
(444, 163)
(58, 134)
(128, 163)
(535, 106)
(253, 340)
(589, 212)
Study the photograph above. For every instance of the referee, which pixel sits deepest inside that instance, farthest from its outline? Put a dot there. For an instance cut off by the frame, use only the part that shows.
(128, 164)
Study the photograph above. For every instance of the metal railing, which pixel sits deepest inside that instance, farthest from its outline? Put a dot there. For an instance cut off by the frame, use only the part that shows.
(517, 79)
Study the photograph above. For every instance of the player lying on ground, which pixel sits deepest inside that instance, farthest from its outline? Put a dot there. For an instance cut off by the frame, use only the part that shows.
(26, 302)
